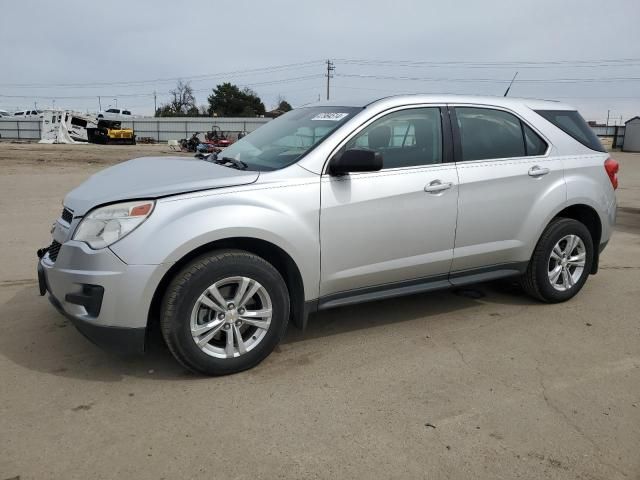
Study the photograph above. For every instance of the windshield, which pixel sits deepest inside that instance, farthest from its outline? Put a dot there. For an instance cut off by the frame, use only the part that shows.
(285, 140)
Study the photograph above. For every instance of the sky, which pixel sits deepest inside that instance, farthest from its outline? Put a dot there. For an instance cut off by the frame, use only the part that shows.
(69, 53)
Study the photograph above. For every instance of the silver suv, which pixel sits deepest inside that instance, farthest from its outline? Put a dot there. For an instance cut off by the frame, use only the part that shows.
(327, 206)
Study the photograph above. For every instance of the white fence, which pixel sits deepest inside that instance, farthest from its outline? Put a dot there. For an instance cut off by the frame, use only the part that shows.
(175, 128)
(20, 129)
(159, 129)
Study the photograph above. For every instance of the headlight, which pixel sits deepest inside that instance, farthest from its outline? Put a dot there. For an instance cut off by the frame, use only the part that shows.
(106, 225)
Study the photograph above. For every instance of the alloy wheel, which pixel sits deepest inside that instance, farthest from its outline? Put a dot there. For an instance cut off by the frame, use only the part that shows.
(231, 317)
(566, 262)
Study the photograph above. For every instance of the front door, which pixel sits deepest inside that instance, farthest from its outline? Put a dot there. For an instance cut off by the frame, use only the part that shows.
(379, 229)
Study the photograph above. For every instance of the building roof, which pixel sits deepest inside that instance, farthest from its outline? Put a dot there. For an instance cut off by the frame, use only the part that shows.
(632, 119)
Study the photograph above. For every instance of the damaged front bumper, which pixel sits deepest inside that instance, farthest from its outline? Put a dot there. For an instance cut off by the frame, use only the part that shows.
(107, 300)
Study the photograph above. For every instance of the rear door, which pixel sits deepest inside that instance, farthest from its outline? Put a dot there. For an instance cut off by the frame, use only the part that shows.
(509, 181)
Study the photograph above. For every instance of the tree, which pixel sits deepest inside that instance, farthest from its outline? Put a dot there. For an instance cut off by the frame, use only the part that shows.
(227, 100)
(182, 103)
(283, 105)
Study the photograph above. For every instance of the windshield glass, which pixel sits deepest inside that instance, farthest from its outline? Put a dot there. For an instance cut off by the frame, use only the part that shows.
(288, 138)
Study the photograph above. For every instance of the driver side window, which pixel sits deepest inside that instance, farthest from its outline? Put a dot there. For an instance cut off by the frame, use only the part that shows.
(407, 138)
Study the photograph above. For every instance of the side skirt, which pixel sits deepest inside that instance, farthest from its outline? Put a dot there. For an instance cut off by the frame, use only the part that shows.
(421, 285)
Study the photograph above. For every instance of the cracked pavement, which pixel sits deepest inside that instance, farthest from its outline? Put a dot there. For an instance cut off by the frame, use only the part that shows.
(477, 383)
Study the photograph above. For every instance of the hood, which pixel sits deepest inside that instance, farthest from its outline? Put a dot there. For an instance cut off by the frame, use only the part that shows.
(153, 177)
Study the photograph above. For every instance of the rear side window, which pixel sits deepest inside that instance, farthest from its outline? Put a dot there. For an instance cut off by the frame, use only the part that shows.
(487, 134)
(572, 123)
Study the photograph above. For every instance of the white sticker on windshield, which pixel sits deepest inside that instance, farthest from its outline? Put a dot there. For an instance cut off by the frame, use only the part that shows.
(331, 116)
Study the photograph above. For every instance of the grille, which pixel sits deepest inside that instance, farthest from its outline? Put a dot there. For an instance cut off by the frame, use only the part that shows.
(67, 215)
(53, 251)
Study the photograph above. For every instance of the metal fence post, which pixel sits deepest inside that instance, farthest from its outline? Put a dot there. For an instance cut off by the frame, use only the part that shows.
(158, 130)
(186, 133)
(18, 128)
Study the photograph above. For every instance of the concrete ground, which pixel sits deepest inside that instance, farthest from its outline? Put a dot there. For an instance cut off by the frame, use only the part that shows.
(476, 383)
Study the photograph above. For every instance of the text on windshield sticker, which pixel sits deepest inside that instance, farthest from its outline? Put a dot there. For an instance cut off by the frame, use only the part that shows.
(331, 116)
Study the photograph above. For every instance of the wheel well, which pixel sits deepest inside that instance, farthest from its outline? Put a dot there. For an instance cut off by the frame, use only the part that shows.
(590, 219)
(268, 251)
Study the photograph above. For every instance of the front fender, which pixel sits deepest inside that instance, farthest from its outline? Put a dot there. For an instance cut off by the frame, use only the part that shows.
(180, 225)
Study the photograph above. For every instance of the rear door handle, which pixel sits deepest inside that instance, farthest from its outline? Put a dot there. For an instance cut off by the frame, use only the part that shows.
(437, 186)
(537, 171)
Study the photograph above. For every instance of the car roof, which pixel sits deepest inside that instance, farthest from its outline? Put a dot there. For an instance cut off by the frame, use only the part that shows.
(403, 99)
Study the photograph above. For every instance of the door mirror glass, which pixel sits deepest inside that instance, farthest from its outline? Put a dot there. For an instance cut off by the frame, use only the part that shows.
(355, 160)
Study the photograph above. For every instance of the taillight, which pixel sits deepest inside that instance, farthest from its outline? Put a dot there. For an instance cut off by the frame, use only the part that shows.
(612, 167)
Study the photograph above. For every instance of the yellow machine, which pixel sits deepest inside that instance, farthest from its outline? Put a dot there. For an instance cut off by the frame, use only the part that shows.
(111, 132)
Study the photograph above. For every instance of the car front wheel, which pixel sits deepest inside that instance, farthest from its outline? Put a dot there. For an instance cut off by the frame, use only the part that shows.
(225, 312)
(561, 261)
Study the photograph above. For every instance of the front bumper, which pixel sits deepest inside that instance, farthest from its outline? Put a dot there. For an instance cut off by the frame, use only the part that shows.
(107, 300)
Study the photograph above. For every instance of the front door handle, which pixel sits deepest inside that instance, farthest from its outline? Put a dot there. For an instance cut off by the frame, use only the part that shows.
(537, 171)
(437, 186)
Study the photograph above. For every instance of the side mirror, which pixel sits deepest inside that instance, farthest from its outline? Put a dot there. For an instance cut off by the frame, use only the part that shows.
(355, 160)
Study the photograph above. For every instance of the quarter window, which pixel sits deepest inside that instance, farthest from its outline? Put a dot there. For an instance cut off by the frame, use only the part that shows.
(534, 145)
(407, 138)
(572, 123)
(487, 134)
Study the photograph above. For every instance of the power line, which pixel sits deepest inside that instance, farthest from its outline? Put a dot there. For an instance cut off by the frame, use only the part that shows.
(272, 69)
(625, 62)
(493, 64)
(391, 90)
(130, 95)
(489, 80)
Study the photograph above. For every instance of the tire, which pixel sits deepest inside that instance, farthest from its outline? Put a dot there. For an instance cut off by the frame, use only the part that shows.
(191, 311)
(545, 262)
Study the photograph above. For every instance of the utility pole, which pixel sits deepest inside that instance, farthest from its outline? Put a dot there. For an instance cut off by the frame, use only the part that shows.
(330, 68)
(155, 104)
(607, 124)
(99, 104)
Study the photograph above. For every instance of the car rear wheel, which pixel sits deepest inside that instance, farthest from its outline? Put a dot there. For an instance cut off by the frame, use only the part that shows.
(561, 261)
(225, 312)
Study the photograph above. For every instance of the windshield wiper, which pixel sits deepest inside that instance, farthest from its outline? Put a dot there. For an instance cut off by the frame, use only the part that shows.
(239, 164)
(213, 157)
